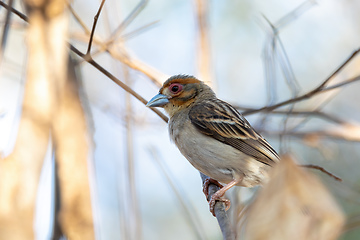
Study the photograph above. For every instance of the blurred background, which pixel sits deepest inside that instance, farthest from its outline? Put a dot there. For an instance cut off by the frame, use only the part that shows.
(137, 174)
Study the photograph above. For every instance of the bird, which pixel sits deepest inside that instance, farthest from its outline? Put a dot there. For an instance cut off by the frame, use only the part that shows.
(214, 137)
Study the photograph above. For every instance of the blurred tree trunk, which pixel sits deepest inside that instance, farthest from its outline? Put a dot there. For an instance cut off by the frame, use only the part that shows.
(71, 143)
(51, 107)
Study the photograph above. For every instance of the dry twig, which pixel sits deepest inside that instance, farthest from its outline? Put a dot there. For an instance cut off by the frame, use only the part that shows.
(6, 28)
(118, 82)
(321, 169)
(320, 89)
(96, 17)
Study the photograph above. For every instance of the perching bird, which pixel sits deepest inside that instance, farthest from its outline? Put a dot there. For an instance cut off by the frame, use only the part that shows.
(213, 136)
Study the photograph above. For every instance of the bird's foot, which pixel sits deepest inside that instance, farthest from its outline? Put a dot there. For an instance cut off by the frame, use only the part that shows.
(206, 184)
(218, 196)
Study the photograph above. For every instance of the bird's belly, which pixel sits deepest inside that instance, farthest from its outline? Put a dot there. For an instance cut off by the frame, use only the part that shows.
(218, 160)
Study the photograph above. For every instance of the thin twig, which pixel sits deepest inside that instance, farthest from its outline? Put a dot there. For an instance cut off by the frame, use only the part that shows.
(117, 81)
(299, 113)
(6, 28)
(16, 12)
(96, 17)
(321, 169)
(309, 94)
(354, 79)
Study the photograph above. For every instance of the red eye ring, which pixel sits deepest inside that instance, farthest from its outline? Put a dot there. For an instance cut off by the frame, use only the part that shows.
(175, 88)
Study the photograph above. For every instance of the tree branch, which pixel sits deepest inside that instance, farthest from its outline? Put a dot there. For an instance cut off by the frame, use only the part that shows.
(220, 212)
(4, 36)
(117, 81)
(309, 94)
(321, 169)
(96, 17)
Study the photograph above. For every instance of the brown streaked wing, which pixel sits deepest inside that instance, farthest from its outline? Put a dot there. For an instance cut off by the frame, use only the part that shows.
(219, 116)
(258, 149)
(221, 121)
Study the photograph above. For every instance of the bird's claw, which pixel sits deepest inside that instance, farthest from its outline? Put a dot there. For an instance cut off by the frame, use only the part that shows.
(215, 198)
(206, 184)
(218, 196)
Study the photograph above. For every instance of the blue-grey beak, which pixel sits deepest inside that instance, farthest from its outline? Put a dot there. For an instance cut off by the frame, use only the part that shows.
(158, 101)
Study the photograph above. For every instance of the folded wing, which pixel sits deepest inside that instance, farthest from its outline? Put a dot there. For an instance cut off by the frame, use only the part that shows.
(221, 121)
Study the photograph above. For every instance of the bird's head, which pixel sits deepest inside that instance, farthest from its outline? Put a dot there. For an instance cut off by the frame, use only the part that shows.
(179, 92)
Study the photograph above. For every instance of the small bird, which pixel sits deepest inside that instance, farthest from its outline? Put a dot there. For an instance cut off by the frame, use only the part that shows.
(213, 136)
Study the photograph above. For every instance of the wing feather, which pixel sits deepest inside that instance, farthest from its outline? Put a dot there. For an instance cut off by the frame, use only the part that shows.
(221, 121)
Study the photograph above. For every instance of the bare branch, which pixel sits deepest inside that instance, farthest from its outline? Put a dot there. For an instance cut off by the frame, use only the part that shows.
(343, 83)
(309, 94)
(4, 36)
(96, 17)
(117, 81)
(321, 169)
(220, 212)
(298, 113)
(16, 12)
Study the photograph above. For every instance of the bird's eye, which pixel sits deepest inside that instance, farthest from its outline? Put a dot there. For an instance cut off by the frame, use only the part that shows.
(175, 88)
